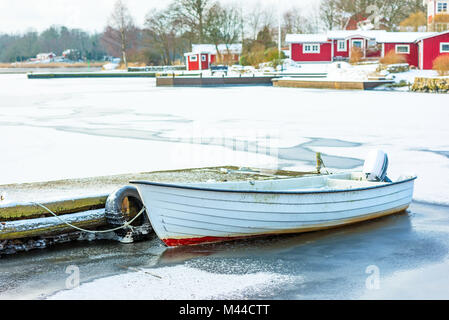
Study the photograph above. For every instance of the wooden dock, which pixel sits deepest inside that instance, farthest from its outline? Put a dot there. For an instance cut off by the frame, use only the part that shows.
(330, 84)
(107, 74)
(162, 69)
(81, 202)
(176, 81)
(71, 75)
(310, 75)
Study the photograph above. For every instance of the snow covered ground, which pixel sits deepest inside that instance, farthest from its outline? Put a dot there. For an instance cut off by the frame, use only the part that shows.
(344, 71)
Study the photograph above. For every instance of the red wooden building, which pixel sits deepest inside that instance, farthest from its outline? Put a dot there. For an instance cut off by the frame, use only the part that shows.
(431, 47)
(310, 47)
(419, 48)
(334, 45)
(402, 43)
(204, 55)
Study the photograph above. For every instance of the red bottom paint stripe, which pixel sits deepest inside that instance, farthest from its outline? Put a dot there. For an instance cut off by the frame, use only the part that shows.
(193, 241)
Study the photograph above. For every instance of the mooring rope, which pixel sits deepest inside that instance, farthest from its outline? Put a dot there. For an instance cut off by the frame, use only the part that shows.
(126, 225)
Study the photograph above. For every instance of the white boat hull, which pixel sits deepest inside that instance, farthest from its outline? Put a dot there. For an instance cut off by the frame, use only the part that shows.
(194, 214)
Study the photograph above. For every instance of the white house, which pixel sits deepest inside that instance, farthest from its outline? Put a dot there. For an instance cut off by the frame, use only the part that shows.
(437, 15)
(45, 56)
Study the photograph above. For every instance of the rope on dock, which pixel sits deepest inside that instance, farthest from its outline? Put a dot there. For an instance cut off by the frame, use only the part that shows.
(126, 225)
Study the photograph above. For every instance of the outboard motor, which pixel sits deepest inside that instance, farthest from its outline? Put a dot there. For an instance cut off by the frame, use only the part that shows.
(376, 165)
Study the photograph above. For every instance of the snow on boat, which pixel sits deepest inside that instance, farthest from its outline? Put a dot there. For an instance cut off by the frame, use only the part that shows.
(188, 214)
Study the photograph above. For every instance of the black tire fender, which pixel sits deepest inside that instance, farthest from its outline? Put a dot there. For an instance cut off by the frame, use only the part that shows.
(140, 229)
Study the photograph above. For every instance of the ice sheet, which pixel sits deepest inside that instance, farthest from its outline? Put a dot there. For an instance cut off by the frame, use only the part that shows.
(56, 129)
(174, 283)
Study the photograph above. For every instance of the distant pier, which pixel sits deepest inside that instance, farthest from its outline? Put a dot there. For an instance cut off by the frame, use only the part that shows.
(330, 84)
(201, 81)
(68, 75)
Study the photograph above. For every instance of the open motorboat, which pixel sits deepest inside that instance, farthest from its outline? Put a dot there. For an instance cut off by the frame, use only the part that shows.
(188, 214)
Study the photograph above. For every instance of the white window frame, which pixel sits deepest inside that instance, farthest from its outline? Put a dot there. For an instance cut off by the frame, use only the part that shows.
(314, 48)
(358, 40)
(441, 47)
(345, 46)
(442, 5)
(193, 58)
(403, 45)
(203, 58)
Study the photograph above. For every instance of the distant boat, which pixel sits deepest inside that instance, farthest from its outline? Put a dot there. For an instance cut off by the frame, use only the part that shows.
(189, 214)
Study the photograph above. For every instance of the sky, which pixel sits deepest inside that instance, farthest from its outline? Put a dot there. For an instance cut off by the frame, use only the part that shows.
(17, 16)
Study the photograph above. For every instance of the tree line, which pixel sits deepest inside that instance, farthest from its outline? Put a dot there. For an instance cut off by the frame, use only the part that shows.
(167, 33)
(387, 15)
(21, 47)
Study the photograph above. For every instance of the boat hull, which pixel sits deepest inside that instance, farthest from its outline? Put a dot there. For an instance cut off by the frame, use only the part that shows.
(188, 216)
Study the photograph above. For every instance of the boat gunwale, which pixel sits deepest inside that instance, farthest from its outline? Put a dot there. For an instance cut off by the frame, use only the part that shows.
(185, 187)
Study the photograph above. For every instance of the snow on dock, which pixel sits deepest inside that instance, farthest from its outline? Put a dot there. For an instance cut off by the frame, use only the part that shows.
(81, 201)
(330, 84)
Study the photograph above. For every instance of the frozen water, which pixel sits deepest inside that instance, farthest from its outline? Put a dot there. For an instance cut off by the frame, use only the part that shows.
(410, 251)
(55, 129)
(401, 285)
(174, 283)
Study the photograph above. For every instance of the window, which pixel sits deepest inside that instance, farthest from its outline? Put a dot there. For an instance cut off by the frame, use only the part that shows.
(203, 57)
(311, 48)
(444, 47)
(357, 43)
(193, 58)
(442, 7)
(403, 48)
(341, 45)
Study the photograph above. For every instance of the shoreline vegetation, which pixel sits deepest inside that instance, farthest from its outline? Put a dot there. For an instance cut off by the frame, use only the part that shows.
(73, 65)
(16, 65)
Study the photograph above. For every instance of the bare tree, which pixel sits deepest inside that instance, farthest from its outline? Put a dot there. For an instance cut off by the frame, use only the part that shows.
(122, 22)
(393, 13)
(254, 20)
(193, 14)
(416, 6)
(110, 39)
(313, 24)
(293, 21)
(165, 33)
(223, 25)
(329, 14)
(388, 13)
(258, 17)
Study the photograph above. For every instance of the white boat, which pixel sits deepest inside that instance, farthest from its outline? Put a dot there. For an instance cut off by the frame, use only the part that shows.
(188, 214)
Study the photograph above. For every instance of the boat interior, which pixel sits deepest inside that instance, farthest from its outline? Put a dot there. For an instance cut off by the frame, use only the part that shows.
(340, 181)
